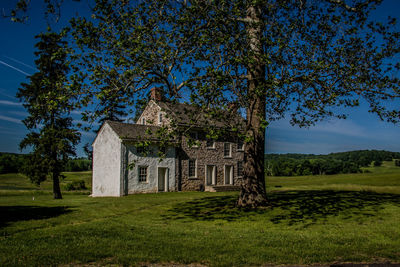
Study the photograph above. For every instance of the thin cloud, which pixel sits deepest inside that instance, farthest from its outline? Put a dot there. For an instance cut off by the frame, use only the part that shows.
(14, 68)
(5, 94)
(10, 103)
(19, 113)
(335, 126)
(6, 118)
(22, 63)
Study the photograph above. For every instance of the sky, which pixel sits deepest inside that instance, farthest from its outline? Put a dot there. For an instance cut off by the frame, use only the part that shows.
(361, 130)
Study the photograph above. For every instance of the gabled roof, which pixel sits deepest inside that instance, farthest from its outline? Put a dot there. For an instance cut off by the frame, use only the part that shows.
(135, 132)
(186, 114)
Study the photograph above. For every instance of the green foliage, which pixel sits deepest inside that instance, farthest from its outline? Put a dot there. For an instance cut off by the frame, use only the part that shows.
(397, 162)
(11, 163)
(334, 163)
(48, 98)
(75, 185)
(77, 165)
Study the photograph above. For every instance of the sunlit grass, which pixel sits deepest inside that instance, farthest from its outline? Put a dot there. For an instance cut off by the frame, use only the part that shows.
(311, 220)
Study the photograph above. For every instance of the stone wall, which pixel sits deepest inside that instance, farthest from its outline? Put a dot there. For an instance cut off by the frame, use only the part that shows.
(150, 114)
(207, 156)
(203, 155)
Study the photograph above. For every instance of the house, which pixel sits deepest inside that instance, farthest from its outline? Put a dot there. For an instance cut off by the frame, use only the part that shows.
(127, 158)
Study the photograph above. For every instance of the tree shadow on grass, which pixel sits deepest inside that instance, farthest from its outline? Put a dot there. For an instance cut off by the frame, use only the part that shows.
(289, 207)
(11, 214)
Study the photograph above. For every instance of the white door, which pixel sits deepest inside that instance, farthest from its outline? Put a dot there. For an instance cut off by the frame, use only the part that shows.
(210, 174)
(162, 179)
(228, 172)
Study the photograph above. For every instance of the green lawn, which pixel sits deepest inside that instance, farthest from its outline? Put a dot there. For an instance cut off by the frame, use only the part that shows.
(312, 220)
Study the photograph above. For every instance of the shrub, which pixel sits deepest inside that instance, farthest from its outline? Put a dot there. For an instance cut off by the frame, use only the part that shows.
(397, 162)
(75, 185)
(377, 163)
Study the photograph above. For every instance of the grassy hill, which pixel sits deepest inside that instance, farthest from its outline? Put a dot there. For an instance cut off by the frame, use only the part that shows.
(311, 220)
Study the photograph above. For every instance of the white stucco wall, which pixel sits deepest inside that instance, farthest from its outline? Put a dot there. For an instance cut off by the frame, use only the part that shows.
(106, 163)
(152, 161)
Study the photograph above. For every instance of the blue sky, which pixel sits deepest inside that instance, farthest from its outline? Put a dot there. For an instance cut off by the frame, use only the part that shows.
(361, 130)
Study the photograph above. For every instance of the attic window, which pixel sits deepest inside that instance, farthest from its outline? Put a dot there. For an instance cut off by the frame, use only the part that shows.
(160, 117)
(143, 121)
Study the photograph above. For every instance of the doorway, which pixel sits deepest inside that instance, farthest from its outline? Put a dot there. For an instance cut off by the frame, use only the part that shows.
(163, 179)
(228, 172)
(211, 174)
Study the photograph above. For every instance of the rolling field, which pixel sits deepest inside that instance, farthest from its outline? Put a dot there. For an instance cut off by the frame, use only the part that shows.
(311, 220)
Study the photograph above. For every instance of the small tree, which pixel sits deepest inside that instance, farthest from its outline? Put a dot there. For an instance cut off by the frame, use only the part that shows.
(48, 100)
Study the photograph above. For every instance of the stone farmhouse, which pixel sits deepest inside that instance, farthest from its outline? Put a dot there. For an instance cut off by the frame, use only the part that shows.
(190, 162)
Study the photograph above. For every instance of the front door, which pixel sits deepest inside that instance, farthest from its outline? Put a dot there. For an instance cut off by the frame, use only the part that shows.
(210, 174)
(162, 179)
(228, 174)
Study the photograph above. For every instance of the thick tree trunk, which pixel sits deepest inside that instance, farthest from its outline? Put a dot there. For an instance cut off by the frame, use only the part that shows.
(56, 186)
(252, 193)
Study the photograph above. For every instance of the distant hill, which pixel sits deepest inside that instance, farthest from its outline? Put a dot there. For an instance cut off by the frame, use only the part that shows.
(14, 162)
(309, 164)
(349, 155)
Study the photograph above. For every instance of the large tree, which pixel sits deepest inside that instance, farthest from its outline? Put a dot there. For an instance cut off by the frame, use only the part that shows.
(48, 100)
(271, 58)
(299, 58)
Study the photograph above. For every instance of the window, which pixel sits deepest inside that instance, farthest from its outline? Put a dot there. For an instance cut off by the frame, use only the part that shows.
(240, 145)
(240, 168)
(143, 174)
(192, 168)
(227, 150)
(160, 117)
(143, 121)
(210, 143)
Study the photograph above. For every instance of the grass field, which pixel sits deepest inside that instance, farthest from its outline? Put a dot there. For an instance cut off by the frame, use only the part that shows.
(312, 220)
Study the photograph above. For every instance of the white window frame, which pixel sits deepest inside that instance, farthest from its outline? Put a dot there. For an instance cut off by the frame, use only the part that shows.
(144, 121)
(230, 150)
(139, 174)
(195, 169)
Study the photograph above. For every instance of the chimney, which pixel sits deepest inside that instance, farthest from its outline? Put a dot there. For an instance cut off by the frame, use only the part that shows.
(156, 93)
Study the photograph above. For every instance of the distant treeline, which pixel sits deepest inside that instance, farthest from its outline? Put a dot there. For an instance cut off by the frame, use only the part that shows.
(334, 163)
(13, 163)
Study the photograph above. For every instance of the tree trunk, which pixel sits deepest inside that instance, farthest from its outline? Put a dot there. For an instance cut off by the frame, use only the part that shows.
(252, 193)
(56, 186)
